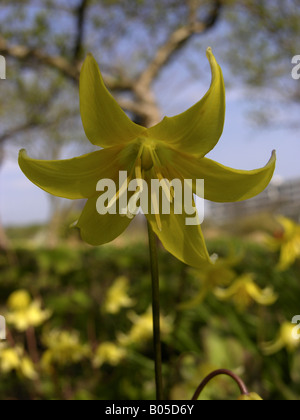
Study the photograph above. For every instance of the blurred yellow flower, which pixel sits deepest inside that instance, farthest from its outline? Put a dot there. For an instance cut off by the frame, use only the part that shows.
(63, 349)
(117, 296)
(19, 300)
(14, 359)
(244, 291)
(110, 353)
(287, 241)
(211, 276)
(250, 397)
(173, 149)
(285, 339)
(142, 329)
(24, 313)
(27, 368)
(9, 360)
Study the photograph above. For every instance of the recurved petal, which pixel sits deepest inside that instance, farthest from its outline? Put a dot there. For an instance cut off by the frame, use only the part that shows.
(265, 297)
(223, 184)
(198, 129)
(104, 122)
(99, 229)
(74, 178)
(184, 242)
(289, 225)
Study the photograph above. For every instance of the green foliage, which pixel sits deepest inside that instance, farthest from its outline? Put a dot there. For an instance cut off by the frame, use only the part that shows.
(73, 284)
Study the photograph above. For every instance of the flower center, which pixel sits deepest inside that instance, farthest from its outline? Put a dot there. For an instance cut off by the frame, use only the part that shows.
(147, 153)
(146, 158)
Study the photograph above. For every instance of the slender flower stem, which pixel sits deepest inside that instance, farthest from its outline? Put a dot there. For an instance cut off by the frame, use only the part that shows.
(32, 345)
(156, 313)
(242, 386)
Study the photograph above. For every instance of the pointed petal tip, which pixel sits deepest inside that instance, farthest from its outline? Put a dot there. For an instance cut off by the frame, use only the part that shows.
(197, 130)
(22, 153)
(273, 159)
(90, 56)
(89, 61)
(22, 156)
(104, 122)
(210, 54)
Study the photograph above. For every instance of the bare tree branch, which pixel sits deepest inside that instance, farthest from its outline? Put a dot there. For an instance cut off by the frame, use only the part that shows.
(141, 109)
(176, 41)
(164, 54)
(68, 69)
(193, 8)
(15, 131)
(144, 106)
(21, 52)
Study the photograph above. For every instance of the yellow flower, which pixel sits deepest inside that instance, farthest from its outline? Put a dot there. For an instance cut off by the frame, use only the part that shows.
(142, 329)
(19, 300)
(117, 296)
(218, 274)
(109, 353)
(250, 397)
(285, 339)
(244, 291)
(14, 359)
(173, 149)
(24, 313)
(9, 360)
(64, 349)
(27, 369)
(287, 241)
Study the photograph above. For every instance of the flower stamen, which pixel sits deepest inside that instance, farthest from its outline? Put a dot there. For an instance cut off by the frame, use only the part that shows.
(156, 211)
(119, 194)
(169, 192)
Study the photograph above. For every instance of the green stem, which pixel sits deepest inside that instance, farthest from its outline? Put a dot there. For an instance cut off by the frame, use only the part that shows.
(156, 313)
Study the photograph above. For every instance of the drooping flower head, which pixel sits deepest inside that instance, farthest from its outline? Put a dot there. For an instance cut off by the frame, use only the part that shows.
(286, 338)
(287, 241)
(15, 359)
(117, 296)
(109, 353)
(142, 328)
(173, 149)
(24, 313)
(244, 291)
(220, 273)
(64, 348)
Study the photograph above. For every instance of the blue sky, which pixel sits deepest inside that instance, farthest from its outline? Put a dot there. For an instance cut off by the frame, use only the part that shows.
(242, 146)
